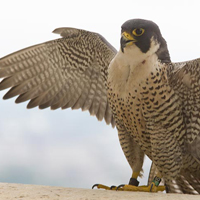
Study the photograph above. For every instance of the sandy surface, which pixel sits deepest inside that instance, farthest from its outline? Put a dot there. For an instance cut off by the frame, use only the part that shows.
(24, 192)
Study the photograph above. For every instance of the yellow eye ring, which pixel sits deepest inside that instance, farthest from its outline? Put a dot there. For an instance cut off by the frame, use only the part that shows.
(138, 31)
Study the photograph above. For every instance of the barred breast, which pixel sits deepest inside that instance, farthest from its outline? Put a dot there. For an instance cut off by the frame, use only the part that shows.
(143, 102)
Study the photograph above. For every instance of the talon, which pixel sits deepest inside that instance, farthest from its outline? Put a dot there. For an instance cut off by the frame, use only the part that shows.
(100, 186)
(113, 187)
(95, 185)
(120, 186)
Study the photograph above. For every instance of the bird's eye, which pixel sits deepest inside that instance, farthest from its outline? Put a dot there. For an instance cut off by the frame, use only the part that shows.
(138, 31)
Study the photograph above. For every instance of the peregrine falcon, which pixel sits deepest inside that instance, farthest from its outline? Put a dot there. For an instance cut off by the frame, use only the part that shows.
(153, 102)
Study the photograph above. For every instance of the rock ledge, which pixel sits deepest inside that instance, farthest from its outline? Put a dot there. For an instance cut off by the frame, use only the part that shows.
(10, 191)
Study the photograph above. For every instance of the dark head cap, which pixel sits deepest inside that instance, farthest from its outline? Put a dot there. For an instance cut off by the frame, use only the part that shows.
(141, 33)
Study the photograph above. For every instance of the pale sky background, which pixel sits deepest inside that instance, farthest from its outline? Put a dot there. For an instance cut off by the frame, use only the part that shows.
(70, 148)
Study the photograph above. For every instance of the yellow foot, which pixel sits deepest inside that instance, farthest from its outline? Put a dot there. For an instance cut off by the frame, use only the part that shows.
(151, 188)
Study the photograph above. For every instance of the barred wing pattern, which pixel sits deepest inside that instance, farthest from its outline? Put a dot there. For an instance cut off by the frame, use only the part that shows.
(67, 72)
(184, 78)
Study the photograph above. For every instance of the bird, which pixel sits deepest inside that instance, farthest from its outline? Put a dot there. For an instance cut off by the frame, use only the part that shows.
(156, 102)
(153, 102)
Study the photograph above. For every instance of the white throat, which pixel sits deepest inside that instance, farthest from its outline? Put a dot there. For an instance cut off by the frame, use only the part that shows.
(133, 56)
(130, 68)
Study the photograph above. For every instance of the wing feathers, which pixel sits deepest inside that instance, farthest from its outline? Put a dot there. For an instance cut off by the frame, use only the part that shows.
(62, 73)
(184, 78)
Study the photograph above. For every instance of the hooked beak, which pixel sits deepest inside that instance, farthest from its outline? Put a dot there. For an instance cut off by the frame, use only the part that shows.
(126, 40)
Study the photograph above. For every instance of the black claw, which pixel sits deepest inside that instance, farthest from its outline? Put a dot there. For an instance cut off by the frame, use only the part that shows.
(166, 188)
(95, 185)
(113, 186)
(120, 186)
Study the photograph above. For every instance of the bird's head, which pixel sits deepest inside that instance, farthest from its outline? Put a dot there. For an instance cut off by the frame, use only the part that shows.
(144, 35)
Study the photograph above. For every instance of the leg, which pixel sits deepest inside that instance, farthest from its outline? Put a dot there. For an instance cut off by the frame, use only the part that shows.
(134, 156)
(133, 153)
(152, 187)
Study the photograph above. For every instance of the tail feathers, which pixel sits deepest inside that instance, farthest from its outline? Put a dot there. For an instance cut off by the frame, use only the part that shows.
(181, 185)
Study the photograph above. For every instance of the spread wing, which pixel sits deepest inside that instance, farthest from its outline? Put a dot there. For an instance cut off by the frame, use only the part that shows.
(68, 72)
(184, 78)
